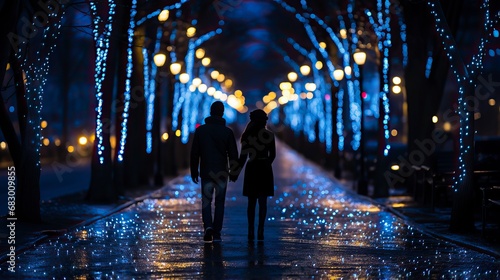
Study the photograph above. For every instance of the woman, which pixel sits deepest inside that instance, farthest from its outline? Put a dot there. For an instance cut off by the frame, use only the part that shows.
(258, 146)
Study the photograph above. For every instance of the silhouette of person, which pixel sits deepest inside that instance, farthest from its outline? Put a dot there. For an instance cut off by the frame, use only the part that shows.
(214, 146)
(259, 148)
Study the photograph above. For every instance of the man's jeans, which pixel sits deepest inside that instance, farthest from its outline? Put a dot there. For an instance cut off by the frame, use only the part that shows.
(208, 187)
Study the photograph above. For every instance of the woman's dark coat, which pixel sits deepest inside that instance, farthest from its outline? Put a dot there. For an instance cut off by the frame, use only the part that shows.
(260, 150)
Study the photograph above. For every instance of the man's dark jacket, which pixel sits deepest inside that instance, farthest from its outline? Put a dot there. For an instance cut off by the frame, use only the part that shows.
(214, 148)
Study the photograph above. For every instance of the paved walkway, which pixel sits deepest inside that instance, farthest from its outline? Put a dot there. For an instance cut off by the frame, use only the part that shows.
(315, 228)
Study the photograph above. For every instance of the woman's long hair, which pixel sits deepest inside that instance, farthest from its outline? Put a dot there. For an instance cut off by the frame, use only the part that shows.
(252, 129)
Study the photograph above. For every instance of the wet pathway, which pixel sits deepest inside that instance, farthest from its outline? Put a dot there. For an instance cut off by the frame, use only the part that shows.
(315, 228)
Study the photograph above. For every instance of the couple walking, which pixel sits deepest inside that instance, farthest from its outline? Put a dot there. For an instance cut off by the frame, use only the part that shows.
(214, 151)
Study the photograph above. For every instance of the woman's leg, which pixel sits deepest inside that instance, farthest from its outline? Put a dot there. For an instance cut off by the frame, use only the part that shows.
(262, 216)
(252, 201)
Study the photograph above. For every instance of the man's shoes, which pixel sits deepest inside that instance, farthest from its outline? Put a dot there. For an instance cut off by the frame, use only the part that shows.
(208, 235)
(217, 237)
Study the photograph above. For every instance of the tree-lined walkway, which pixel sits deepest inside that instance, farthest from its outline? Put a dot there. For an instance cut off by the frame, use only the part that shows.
(315, 227)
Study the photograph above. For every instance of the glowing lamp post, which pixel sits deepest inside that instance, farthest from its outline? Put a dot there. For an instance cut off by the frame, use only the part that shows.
(338, 74)
(160, 59)
(360, 59)
(305, 70)
(175, 68)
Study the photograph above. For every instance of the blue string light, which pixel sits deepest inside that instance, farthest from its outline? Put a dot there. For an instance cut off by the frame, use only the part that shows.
(465, 76)
(126, 105)
(101, 40)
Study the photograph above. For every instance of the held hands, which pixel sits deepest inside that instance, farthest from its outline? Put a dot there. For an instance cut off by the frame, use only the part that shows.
(194, 178)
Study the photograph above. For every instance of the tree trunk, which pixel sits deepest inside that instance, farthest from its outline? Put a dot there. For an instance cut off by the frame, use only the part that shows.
(28, 169)
(120, 95)
(135, 147)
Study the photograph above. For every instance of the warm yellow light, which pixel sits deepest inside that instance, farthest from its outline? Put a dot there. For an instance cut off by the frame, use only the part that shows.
(205, 61)
(196, 82)
(82, 140)
(292, 76)
(223, 97)
(221, 78)
(3, 145)
(447, 126)
(303, 95)
(272, 95)
(46, 141)
(192, 88)
(282, 100)
(285, 85)
(228, 83)
(184, 78)
(294, 97)
(211, 91)
(238, 93)
(164, 136)
(233, 101)
(492, 102)
(272, 105)
(92, 138)
(322, 45)
(310, 86)
(43, 124)
(343, 33)
(434, 119)
(214, 74)
(57, 142)
(310, 95)
(338, 74)
(217, 94)
(159, 59)
(394, 132)
(200, 53)
(175, 68)
(8, 66)
(266, 99)
(395, 167)
(396, 80)
(305, 70)
(112, 141)
(202, 88)
(359, 57)
(396, 89)
(178, 133)
(348, 70)
(71, 149)
(191, 31)
(318, 65)
(163, 16)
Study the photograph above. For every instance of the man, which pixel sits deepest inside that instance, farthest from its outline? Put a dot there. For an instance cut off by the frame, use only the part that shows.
(213, 149)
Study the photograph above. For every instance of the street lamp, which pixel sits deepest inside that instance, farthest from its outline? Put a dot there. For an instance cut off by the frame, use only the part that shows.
(159, 59)
(175, 68)
(360, 59)
(305, 70)
(338, 74)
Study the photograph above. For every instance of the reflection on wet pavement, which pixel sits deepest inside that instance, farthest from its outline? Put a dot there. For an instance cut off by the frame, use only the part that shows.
(315, 227)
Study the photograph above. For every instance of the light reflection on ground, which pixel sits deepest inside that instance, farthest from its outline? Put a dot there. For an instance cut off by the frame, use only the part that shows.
(315, 227)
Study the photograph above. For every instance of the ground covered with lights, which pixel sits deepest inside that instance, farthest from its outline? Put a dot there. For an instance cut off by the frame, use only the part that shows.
(315, 227)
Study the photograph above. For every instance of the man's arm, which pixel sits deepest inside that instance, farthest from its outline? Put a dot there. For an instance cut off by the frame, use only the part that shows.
(195, 157)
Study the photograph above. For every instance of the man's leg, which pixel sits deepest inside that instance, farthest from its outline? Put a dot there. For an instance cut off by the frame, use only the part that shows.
(220, 199)
(207, 189)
